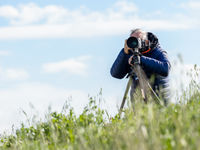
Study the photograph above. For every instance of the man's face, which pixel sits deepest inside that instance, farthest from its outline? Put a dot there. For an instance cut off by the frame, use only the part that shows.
(136, 34)
(139, 35)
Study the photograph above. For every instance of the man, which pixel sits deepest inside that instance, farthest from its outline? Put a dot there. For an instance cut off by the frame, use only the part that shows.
(152, 59)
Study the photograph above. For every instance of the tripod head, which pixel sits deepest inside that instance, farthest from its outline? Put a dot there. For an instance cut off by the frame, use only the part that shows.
(135, 57)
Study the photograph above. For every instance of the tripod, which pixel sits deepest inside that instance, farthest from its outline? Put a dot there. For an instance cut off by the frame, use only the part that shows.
(144, 85)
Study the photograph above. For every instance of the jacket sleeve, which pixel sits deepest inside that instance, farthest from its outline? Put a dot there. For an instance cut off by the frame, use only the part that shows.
(120, 67)
(159, 65)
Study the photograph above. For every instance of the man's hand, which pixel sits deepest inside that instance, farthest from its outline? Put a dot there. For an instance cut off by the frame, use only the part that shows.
(134, 59)
(126, 48)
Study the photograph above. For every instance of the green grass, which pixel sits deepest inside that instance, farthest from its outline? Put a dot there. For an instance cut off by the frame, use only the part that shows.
(150, 126)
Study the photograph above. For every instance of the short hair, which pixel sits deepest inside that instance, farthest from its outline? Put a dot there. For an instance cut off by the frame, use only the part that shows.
(143, 33)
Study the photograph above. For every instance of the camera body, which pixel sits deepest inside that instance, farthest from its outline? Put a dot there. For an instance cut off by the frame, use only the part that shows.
(137, 43)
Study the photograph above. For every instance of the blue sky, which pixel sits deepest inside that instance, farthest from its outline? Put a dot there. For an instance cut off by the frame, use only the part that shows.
(53, 50)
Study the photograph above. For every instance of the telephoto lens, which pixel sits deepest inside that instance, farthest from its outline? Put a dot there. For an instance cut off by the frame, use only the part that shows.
(132, 42)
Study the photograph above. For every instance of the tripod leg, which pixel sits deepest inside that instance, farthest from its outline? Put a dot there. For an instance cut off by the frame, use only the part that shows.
(157, 99)
(133, 93)
(142, 81)
(132, 99)
(126, 93)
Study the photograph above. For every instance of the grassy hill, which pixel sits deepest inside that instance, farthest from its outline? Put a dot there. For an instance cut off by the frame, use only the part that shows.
(150, 126)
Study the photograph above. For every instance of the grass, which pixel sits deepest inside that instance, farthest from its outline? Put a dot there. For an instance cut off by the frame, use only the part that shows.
(150, 126)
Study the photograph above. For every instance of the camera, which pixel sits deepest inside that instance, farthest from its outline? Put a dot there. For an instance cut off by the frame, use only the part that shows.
(136, 43)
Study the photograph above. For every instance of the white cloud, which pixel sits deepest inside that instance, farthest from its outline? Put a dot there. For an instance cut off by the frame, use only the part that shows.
(8, 12)
(4, 53)
(74, 65)
(24, 14)
(52, 21)
(192, 5)
(192, 9)
(13, 74)
(31, 13)
(87, 29)
(124, 7)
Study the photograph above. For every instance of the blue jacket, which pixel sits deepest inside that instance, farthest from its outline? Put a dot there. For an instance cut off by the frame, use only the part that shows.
(154, 63)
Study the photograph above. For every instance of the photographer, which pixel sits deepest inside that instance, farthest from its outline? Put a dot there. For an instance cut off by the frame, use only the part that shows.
(151, 58)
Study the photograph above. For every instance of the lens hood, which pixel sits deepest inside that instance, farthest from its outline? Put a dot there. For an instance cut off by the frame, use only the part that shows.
(132, 42)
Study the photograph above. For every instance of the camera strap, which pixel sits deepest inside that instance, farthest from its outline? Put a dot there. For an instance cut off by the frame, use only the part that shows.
(146, 51)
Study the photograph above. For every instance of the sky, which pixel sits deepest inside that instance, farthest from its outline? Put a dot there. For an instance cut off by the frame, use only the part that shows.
(57, 51)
